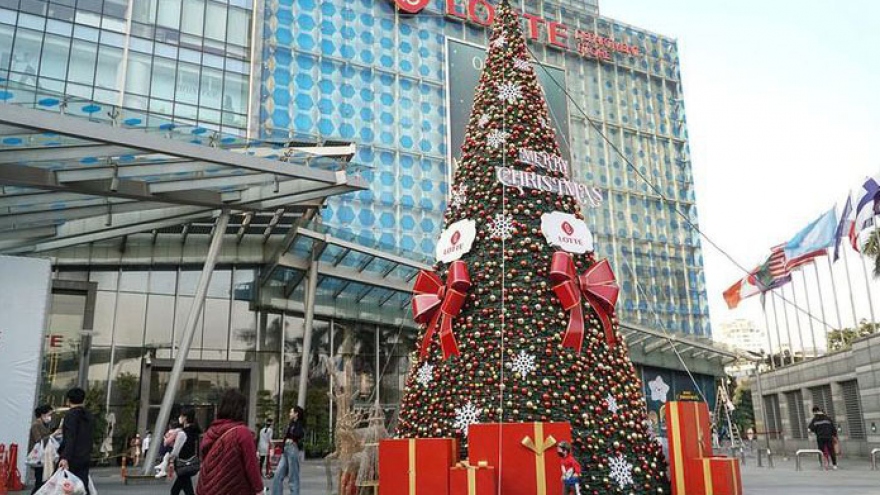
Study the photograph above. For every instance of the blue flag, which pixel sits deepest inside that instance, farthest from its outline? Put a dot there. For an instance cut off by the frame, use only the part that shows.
(841, 226)
(816, 236)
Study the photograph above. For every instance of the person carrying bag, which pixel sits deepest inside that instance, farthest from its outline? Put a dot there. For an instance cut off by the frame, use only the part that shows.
(186, 453)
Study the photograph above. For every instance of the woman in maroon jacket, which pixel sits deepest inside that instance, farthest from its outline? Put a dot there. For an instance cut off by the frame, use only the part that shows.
(229, 454)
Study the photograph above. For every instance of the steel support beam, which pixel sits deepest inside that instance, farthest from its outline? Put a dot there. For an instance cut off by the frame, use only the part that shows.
(342, 273)
(308, 323)
(186, 339)
(61, 153)
(654, 346)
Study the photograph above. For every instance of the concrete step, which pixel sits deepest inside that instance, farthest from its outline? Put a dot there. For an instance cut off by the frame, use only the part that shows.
(140, 479)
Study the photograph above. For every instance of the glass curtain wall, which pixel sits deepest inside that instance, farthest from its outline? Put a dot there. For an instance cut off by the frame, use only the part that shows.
(188, 60)
(140, 313)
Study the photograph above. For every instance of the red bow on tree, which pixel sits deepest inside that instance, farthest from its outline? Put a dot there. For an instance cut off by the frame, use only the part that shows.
(598, 287)
(432, 301)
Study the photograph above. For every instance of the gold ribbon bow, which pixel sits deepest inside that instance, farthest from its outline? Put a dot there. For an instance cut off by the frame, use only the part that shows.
(472, 474)
(539, 445)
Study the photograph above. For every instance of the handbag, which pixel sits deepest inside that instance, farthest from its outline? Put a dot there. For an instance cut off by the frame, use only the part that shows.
(188, 467)
(836, 446)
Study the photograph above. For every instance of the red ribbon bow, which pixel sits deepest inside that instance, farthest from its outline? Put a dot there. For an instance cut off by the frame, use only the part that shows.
(598, 287)
(432, 301)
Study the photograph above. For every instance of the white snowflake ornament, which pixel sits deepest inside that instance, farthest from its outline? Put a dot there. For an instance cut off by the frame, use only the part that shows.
(509, 92)
(522, 65)
(466, 416)
(425, 374)
(500, 41)
(523, 364)
(501, 226)
(496, 138)
(612, 404)
(659, 389)
(621, 471)
(459, 196)
(484, 119)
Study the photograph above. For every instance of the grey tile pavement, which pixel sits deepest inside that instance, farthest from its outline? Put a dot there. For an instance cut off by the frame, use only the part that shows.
(853, 478)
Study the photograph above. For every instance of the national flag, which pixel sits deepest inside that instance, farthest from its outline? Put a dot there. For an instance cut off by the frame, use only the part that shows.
(866, 207)
(841, 226)
(743, 288)
(816, 236)
(773, 272)
(792, 265)
(853, 238)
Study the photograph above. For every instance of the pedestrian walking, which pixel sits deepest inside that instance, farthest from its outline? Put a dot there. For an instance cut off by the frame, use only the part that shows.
(41, 431)
(826, 433)
(185, 453)
(229, 454)
(264, 445)
(289, 463)
(145, 444)
(77, 432)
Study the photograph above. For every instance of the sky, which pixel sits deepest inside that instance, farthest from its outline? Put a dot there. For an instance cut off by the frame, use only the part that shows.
(783, 116)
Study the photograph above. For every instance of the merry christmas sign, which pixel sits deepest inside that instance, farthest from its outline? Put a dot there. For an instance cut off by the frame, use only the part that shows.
(566, 231)
(456, 241)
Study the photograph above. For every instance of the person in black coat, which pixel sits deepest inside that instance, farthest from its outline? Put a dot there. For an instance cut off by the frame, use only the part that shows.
(825, 432)
(77, 429)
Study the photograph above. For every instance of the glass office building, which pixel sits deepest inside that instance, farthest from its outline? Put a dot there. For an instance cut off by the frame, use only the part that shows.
(344, 71)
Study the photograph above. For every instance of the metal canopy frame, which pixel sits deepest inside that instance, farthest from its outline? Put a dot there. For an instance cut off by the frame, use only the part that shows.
(68, 178)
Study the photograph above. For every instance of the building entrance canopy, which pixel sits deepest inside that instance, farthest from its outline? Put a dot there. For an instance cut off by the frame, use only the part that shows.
(75, 171)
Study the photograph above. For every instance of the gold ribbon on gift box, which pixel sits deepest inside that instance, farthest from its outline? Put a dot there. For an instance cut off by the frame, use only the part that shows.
(675, 447)
(412, 466)
(472, 474)
(539, 445)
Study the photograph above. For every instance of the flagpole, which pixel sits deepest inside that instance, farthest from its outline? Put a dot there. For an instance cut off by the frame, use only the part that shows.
(822, 304)
(778, 336)
(834, 293)
(767, 328)
(810, 311)
(787, 328)
(852, 301)
(797, 319)
(868, 287)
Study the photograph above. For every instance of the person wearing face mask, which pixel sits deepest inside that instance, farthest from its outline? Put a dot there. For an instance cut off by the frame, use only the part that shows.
(571, 470)
(41, 430)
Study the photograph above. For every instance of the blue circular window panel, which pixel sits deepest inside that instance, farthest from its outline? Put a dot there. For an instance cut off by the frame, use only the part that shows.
(6, 95)
(12, 141)
(198, 131)
(132, 122)
(49, 102)
(91, 108)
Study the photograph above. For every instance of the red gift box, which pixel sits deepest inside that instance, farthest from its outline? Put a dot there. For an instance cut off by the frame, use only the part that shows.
(687, 425)
(713, 476)
(465, 479)
(416, 466)
(523, 455)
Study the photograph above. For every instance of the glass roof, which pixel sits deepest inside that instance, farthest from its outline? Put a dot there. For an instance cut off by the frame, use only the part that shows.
(65, 161)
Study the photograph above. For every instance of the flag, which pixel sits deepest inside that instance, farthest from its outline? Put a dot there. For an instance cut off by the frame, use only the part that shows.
(816, 236)
(853, 238)
(841, 226)
(743, 288)
(773, 272)
(792, 265)
(866, 207)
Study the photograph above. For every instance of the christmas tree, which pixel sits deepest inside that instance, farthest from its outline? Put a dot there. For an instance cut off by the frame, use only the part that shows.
(502, 339)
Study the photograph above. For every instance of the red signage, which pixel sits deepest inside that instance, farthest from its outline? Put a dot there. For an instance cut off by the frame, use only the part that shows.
(585, 43)
(411, 6)
(456, 236)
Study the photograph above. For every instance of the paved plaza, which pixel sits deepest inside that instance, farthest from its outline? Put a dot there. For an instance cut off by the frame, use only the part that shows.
(853, 478)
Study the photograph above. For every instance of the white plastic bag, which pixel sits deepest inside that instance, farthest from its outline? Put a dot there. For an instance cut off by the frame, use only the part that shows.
(63, 482)
(50, 455)
(35, 456)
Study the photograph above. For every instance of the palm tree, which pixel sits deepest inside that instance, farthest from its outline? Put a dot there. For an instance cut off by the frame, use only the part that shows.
(872, 249)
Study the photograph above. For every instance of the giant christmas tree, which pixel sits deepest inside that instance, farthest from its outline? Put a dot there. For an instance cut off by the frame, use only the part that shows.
(502, 339)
